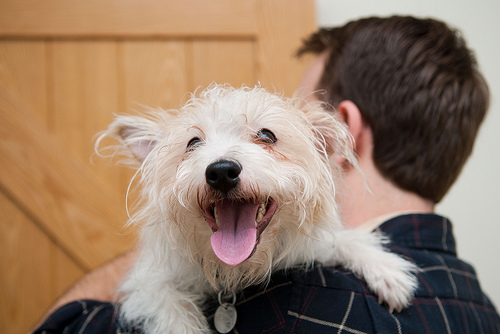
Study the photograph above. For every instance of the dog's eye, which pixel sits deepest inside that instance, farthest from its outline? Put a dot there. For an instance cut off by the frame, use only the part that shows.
(266, 136)
(193, 143)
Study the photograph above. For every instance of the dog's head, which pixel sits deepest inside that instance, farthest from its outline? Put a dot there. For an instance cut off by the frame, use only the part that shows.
(234, 178)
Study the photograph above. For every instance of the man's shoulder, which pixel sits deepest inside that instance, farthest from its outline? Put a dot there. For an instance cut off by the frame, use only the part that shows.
(428, 241)
(321, 299)
(314, 300)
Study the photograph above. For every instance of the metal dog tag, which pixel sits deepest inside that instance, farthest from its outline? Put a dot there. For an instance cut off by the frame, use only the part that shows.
(225, 316)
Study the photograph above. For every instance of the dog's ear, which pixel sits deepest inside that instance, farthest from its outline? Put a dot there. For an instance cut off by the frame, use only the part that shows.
(332, 135)
(138, 135)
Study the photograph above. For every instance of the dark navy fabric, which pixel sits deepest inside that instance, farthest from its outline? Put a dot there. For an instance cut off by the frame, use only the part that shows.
(83, 316)
(330, 300)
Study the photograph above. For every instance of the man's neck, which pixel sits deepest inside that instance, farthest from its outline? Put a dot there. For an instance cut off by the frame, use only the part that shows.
(365, 194)
(365, 200)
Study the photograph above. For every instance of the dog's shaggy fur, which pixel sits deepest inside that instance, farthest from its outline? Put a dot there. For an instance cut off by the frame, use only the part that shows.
(274, 156)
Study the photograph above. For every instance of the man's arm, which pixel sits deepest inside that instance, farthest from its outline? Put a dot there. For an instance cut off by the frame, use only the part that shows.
(99, 284)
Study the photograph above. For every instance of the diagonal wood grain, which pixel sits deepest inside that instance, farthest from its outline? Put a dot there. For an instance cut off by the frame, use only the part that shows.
(62, 196)
(26, 286)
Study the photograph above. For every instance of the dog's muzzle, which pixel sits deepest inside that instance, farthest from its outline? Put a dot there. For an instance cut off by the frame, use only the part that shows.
(237, 223)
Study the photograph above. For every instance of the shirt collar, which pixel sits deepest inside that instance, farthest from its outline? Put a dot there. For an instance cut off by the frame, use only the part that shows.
(374, 223)
(420, 231)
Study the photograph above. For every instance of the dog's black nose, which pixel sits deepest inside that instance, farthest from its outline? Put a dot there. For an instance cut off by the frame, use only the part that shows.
(223, 175)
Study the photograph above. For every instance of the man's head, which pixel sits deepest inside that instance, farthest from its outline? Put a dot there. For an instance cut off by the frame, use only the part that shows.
(417, 87)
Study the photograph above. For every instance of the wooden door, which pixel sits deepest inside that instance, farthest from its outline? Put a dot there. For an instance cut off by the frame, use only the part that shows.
(65, 68)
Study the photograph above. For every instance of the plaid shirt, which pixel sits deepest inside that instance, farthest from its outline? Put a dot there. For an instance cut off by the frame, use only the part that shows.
(328, 300)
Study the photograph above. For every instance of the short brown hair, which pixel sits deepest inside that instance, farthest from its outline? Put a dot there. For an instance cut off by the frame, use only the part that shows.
(417, 86)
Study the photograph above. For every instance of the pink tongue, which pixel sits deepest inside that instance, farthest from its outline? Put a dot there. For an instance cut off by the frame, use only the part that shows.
(236, 236)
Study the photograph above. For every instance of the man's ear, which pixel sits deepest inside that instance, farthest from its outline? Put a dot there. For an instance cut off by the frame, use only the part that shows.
(332, 134)
(350, 115)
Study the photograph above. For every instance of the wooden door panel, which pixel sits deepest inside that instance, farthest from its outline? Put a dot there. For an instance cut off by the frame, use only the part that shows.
(66, 67)
(224, 61)
(83, 95)
(32, 286)
(54, 188)
(154, 73)
(83, 92)
(96, 18)
(23, 72)
(281, 27)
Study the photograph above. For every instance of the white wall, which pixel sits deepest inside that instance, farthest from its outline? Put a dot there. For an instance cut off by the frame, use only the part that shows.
(473, 203)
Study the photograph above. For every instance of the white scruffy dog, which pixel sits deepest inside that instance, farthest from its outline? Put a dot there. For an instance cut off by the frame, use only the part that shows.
(237, 184)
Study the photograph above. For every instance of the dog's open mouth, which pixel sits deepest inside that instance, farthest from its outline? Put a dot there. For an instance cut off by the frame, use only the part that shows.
(237, 226)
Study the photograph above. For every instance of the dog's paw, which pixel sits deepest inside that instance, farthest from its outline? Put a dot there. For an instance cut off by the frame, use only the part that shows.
(387, 275)
(392, 279)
